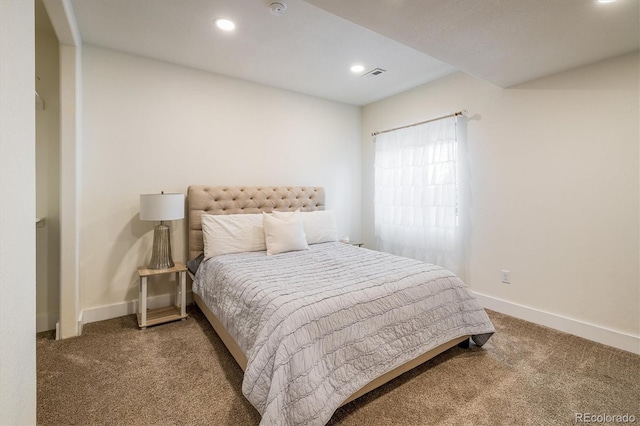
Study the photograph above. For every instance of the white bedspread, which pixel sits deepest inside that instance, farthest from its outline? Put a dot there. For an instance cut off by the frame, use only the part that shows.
(317, 325)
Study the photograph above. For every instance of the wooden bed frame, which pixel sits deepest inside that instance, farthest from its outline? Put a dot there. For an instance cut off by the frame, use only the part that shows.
(235, 200)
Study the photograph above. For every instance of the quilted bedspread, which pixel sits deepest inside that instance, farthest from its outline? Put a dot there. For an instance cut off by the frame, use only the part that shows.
(317, 325)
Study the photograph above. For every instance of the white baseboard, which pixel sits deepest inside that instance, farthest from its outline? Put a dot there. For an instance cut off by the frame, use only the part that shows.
(101, 313)
(79, 324)
(582, 329)
(46, 322)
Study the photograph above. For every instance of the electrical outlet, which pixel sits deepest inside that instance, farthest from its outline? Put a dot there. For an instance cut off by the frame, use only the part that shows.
(506, 276)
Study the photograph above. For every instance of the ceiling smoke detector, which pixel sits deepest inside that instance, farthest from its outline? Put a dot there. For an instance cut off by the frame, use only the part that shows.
(278, 8)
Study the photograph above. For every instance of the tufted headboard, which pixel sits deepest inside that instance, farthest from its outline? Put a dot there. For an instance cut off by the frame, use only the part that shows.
(245, 199)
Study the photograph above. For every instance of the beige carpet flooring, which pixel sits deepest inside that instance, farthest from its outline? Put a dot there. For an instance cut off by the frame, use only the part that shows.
(181, 374)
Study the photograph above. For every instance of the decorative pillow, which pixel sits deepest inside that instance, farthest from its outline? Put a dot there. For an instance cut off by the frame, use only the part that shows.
(194, 264)
(319, 226)
(233, 233)
(284, 234)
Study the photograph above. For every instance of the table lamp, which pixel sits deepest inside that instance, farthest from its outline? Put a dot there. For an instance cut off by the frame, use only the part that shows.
(161, 207)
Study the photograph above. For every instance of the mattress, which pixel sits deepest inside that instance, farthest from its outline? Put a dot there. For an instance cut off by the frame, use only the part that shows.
(317, 325)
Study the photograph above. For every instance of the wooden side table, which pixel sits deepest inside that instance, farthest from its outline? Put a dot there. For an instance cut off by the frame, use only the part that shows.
(351, 243)
(168, 313)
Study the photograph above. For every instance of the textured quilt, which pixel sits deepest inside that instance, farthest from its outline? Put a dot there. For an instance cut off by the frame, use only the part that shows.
(317, 325)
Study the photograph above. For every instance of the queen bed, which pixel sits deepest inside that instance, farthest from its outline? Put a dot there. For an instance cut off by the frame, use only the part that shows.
(319, 325)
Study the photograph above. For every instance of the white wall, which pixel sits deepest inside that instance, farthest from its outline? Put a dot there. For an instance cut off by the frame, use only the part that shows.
(151, 126)
(48, 179)
(554, 182)
(17, 214)
(70, 319)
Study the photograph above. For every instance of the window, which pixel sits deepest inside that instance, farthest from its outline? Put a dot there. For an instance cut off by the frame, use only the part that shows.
(418, 193)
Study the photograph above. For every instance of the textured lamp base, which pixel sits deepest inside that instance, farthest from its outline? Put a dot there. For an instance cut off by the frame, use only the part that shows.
(161, 255)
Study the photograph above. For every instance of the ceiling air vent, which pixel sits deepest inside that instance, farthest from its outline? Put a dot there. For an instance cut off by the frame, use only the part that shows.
(374, 72)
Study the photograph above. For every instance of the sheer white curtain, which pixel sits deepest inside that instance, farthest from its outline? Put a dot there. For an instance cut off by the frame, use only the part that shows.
(418, 191)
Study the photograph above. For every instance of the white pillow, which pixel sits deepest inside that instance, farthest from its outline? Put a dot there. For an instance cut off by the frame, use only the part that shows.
(319, 226)
(233, 233)
(284, 234)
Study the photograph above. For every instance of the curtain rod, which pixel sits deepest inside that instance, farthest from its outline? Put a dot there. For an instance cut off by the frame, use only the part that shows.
(455, 114)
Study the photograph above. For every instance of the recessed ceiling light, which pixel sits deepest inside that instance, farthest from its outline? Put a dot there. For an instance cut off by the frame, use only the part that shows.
(605, 1)
(225, 24)
(357, 68)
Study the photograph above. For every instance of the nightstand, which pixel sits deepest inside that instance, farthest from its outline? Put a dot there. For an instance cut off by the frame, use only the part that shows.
(168, 313)
(351, 243)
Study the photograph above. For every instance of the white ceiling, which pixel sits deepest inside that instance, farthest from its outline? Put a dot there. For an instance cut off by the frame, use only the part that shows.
(311, 47)
(505, 42)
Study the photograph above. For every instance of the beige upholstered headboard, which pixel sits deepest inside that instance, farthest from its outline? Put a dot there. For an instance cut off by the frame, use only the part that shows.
(245, 199)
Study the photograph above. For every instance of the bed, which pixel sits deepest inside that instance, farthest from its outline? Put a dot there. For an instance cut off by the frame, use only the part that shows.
(313, 329)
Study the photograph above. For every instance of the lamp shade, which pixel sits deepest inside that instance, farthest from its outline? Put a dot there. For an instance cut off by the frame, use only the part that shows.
(160, 207)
